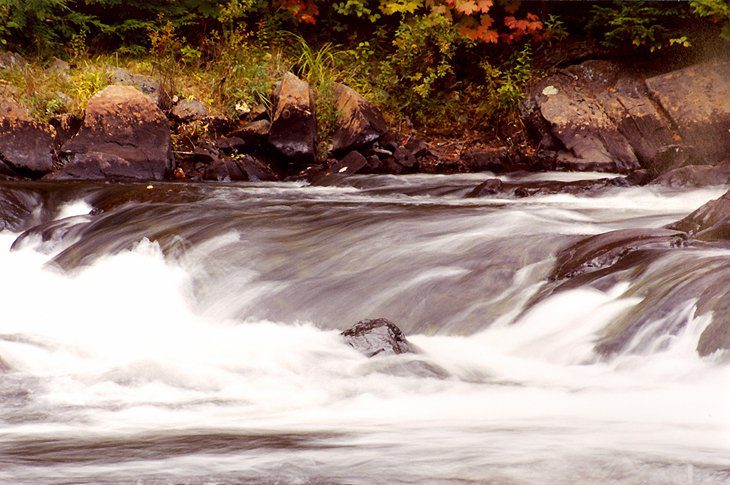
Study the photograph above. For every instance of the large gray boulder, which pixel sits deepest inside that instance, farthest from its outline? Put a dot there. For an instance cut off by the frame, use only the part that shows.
(147, 84)
(26, 146)
(377, 337)
(124, 136)
(294, 125)
(359, 123)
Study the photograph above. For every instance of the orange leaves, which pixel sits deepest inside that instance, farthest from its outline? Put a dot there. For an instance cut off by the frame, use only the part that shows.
(469, 7)
(530, 25)
(481, 30)
(305, 11)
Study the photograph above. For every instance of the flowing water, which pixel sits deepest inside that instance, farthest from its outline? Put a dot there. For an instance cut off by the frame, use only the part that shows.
(190, 334)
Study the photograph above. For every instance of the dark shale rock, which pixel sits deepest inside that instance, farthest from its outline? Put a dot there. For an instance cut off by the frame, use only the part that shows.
(124, 135)
(240, 168)
(26, 146)
(359, 122)
(294, 125)
(377, 337)
(710, 223)
(488, 187)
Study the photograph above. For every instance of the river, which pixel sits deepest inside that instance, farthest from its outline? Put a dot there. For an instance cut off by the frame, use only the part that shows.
(189, 333)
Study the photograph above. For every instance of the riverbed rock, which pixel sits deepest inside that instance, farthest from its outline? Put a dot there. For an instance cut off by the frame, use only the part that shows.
(603, 115)
(243, 168)
(26, 146)
(491, 186)
(146, 84)
(377, 337)
(124, 135)
(294, 126)
(359, 123)
(693, 176)
(187, 110)
(350, 164)
(604, 250)
(710, 223)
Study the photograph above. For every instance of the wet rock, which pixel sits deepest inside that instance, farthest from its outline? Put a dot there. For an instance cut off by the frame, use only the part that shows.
(294, 126)
(188, 110)
(603, 250)
(124, 135)
(240, 168)
(695, 176)
(359, 122)
(146, 84)
(18, 208)
(710, 223)
(547, 187)
(352, 163)
(26, 146)
(488, 187)
(377, 337)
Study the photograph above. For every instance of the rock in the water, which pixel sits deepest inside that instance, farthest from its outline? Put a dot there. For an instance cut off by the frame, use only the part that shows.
(148, 85)
(488, 187)
(695, 176)
(188, 110)
(124, 135)
(377, 337)
(359, 122)
(294, 125)
(241, 168)
(351, 163)
(26, 146)
(711, 222)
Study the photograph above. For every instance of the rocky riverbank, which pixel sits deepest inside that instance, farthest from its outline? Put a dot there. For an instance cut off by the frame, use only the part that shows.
(670, 128)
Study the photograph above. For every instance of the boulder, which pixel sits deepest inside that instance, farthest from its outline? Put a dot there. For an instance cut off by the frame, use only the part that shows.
(26, 146)
(604, 250)
(695, 176)
(602, 115)
(147, 84)
(242, 168)
(59, 65)
(488, 187)
(188, 110)
(124, 135)
(359, 123)
(697, 99)
(351, 163)
(294, 126)
(709, 223)
(377, 337)
(252, 134)
(11, 60)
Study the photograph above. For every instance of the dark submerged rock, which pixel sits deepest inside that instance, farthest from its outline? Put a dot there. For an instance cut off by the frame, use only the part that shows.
(294, 125)
(124, 135)
(377, 337)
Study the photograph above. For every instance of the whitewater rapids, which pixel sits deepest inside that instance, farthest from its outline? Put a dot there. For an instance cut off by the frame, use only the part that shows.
(198, 342)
